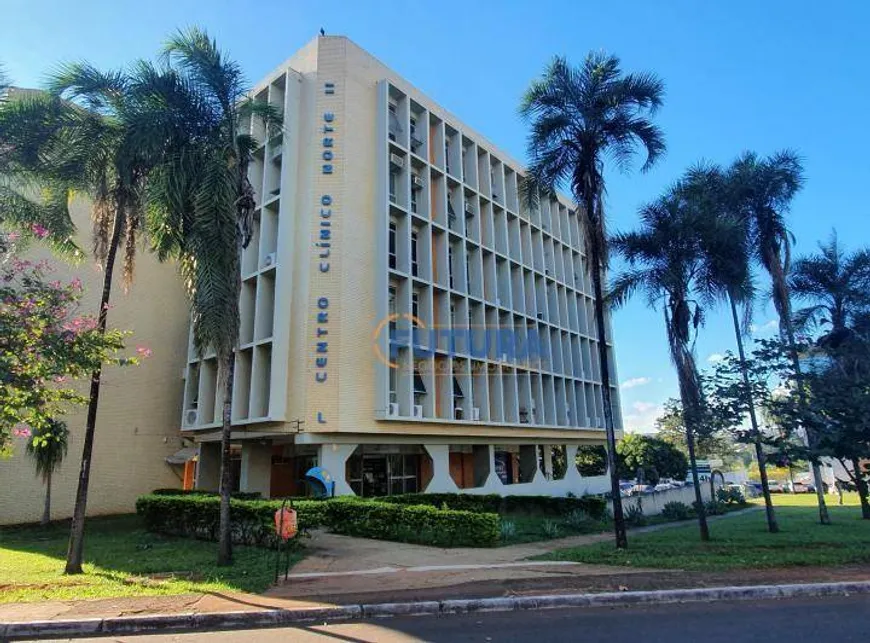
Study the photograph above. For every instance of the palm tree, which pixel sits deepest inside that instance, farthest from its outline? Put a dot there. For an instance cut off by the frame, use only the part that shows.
(837, 285)
(580, 117)
(669, 261)
(48, 446)
(731, 269)
(35, 206)
(85, 136)
(203, 203)
(767, 187)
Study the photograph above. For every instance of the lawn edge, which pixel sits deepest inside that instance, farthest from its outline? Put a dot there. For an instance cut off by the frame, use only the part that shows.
(283, 617)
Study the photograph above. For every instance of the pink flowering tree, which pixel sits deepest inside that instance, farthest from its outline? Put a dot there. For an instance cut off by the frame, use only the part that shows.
(45, 345)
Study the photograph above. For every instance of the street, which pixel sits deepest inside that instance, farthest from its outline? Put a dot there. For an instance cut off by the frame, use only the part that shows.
(838, 619)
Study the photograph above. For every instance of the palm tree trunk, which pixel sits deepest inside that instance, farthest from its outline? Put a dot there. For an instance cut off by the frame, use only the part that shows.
(861, 483)
(781, 297)
(225, 540)
(46, 512)
(687, 376)
(77, 529)
(772, 526)
(620, 533)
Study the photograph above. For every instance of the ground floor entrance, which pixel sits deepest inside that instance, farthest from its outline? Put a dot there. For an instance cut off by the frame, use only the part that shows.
(369, 469)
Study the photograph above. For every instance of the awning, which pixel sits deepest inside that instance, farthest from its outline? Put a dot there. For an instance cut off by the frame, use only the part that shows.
(182, 455)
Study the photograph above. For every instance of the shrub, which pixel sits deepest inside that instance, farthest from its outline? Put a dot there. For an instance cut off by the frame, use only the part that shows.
(712, 507)
(676, 511)
(730, 496)
(197, 515)
(421, 524)
(507, 529)
(240, 495)
(595, 506)
(579, 520)
(634, 516)
(550, 529)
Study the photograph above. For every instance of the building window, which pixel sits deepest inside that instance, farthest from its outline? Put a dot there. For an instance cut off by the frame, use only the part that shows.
(395, 128)
(392, 187)
(450, 265)
(394, 386)
(415, 307)
(415, 140)
(447, 155)
(419, 389)
(403, 471)
(414, 253)
(392, 255)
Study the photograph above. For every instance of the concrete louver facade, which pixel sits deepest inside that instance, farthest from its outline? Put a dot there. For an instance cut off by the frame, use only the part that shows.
(407, 323)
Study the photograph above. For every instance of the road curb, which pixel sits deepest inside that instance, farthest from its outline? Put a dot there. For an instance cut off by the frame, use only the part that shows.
(278, 617)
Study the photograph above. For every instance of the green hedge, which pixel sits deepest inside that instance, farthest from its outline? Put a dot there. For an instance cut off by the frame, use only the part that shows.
(198, 516)
(595, 506)
(426, 525)
(241, 495)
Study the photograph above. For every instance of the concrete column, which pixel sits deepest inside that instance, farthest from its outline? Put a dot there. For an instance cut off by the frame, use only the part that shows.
(529, 462)
(208, 466)
(333, 457)
(442, 481)
(256, 474)
(573, 478)
(548, 461)
(484, 469)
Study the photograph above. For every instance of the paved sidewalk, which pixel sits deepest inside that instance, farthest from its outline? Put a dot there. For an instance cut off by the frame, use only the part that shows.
(340, 569)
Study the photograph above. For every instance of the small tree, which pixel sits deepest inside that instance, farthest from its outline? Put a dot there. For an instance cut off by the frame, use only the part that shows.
(657, 458)
(47, 447)
(591, 460)
(44, 344)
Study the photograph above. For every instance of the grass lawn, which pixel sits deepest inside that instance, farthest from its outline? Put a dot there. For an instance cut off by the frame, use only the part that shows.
(535, 528)
(742, 542)
(122, 559)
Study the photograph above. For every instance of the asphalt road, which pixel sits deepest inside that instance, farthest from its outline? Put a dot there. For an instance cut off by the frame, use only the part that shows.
(794, 621)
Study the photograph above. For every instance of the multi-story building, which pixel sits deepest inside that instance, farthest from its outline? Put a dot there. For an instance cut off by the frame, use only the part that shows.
(408, 322)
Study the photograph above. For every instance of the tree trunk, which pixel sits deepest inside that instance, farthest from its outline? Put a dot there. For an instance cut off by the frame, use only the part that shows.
(861, 483)
(772, 526)
(687, 377)
(781, 297)
(225, 540)
(46, 512)
(597, 268)
(77, 529)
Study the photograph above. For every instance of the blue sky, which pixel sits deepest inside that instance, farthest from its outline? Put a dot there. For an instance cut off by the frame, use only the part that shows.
(739, 75)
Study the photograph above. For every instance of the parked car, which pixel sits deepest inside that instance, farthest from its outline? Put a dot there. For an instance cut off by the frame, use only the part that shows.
(642, 488)
(625, 489)
(776, 487)
(799, 487)
(663, 486)
(752, 489)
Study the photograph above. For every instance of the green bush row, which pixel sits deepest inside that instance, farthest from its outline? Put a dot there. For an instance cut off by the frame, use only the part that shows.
(241, 495)
(198, 516)
(426, 525)
(594, 506)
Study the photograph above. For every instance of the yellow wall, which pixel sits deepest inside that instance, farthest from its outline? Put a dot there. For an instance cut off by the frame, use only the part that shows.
(140, 406)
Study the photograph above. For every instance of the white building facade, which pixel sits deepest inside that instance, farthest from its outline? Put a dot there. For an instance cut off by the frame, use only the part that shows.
(408, 323)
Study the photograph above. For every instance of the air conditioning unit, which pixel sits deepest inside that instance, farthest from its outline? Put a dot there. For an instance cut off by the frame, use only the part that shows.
(475, 414)
(393, 410)
(532, 418)
(524, 415)
(397, 161)
(417, 181)
(418, 410)
(269, 260)
(191, 417)
(469, 209)
(457, 413)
